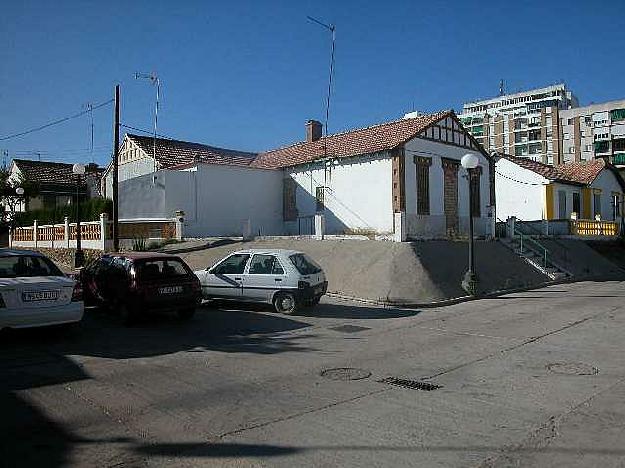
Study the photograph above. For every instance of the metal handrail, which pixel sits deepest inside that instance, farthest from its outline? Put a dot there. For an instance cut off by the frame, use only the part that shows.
(526, 238)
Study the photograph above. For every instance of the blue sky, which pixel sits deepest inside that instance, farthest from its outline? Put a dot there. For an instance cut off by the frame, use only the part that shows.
(248, 74)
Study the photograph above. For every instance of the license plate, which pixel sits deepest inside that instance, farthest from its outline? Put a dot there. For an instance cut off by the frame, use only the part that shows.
(170, 290)
(32, 296)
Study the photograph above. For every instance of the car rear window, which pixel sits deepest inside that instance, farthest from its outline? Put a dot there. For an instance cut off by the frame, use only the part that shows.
(159, 269)
(304, 264)
(20, 266)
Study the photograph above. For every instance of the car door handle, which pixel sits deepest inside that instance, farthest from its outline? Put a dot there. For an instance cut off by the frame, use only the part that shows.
(278, 279)
(237, 279)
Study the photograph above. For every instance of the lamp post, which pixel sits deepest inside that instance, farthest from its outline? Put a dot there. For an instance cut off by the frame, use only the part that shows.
(470, 161)
(79, 257)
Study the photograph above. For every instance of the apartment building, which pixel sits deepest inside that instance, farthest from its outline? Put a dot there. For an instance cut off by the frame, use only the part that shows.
(525, 124)
(594, 131)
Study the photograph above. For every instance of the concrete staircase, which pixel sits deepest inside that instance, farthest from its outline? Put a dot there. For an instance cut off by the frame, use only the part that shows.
(536, 255)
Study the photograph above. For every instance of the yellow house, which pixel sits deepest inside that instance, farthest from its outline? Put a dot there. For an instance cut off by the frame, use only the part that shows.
(530, 190)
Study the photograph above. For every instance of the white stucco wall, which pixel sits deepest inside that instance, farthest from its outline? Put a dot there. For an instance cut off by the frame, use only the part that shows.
(359, 194)
(128, 171)
(434, 224)
(217, 200)
(608, 184)
(519, 192)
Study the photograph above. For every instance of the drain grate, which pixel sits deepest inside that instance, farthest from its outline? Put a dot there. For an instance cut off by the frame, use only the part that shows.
(411, 384)
(349, 328)
(572, 368)
(345, 373)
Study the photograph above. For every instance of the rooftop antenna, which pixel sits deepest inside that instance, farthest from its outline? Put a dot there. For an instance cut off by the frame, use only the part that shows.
(332, 29)
(89, 108)
(153, 77)
(501, 90)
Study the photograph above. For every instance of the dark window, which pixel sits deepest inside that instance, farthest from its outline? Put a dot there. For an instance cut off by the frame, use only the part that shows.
(597, 203)
(475, 189)
(319, 197)
(562, 204)
(304, 264)
(290, 199)
(27, 266)
(265, 265)
(576, 203)
(153, 269)
(423, 185)
(233, 265)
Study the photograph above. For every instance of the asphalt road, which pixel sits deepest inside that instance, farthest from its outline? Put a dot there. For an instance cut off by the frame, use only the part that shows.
(528, 379)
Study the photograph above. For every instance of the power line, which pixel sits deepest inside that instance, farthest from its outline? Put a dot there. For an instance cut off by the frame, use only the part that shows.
(55, 122)
(149, 132)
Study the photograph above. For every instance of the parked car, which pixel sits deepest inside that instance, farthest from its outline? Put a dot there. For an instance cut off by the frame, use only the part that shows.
(136, 283)
(287, 279)
(35, 293)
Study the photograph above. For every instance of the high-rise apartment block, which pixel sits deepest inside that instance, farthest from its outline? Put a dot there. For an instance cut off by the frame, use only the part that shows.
(547, 125)
(595, 131)
(525, 124)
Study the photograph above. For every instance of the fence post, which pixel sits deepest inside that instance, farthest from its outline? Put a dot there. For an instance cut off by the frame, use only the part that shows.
(400, 234)
(104, 224)
(511, 221)
(179, 224)
(66, 222)
(35, 232)
(320, 226)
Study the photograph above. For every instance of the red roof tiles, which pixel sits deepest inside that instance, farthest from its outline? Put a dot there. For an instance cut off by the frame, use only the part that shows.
(367, 140)
(583, 173)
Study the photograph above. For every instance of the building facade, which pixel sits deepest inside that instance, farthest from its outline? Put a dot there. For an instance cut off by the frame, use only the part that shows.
(594, 131)
(525, 124)
(400, 179)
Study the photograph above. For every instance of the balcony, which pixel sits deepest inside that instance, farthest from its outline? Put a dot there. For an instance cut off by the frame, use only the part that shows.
(602, 147)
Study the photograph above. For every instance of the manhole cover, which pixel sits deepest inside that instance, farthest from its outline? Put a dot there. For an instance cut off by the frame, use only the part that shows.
(411, 384)
(345, 373)
(572, 368)
(349, 328)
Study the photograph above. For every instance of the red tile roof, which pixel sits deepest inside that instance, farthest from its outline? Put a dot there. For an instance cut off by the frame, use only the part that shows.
(53, 173)
(583, 173)
(171, 153)
(367, 140)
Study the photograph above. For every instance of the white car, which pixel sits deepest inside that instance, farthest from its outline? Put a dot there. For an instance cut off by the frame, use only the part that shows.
(35, 293)
(285, 278)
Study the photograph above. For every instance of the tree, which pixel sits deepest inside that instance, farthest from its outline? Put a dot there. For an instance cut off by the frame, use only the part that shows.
(10, 200)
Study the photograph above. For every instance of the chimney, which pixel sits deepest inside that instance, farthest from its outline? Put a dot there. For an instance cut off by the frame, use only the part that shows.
(314, 130)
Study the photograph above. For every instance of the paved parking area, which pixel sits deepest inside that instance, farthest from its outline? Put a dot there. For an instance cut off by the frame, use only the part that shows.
(528, 379)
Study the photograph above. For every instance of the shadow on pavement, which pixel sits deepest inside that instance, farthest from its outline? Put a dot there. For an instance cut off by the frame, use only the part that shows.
(360, 312)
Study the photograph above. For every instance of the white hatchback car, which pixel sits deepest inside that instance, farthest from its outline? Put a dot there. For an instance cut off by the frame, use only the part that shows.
(35, 293)
(285, 278)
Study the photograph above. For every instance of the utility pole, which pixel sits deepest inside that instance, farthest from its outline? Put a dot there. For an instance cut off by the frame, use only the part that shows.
(116, 173)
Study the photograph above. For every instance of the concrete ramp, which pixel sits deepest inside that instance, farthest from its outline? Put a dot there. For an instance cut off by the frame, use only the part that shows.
(415, 272)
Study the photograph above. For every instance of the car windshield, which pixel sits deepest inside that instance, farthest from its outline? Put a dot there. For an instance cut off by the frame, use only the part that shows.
(304, 264)
(160, 269)
(20, 266)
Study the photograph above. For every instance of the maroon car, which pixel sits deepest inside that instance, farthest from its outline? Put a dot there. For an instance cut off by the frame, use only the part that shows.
(138, 282)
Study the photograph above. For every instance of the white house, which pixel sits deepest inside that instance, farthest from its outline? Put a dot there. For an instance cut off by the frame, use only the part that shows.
(401, 178)
(529, 190)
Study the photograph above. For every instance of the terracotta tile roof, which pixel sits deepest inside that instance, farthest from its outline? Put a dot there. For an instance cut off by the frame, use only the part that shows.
(171, 153)
(373, 139)
(45, 172)
(583, 173)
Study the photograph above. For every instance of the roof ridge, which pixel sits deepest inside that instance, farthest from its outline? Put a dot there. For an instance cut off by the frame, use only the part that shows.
(130, 135)
(353, 130)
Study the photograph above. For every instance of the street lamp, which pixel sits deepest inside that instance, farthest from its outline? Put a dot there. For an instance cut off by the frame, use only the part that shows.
(470, 161)
(79, 257)
(19, 191)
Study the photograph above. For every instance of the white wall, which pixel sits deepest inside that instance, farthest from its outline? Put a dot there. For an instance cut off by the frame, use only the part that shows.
(434, 224)
(359, 194)
(217, 200)
(519, 192)
(608, 184)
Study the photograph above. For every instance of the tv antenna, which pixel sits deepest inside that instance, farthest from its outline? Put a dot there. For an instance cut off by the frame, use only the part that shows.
(153, 77)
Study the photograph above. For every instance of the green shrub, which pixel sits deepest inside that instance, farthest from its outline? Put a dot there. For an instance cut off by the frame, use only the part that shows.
(139, 244)
(90, 210)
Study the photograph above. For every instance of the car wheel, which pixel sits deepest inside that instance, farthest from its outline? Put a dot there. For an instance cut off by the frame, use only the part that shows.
(128, 316)
(186, 314)
(285, 303)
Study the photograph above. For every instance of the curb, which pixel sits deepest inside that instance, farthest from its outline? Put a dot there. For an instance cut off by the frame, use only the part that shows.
(458, 300)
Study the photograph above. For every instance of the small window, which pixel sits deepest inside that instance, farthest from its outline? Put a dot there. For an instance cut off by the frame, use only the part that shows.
(562, 204)
(571, 121)
(265, 265)
(567, 136)
(233, 265)
(319, 199)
